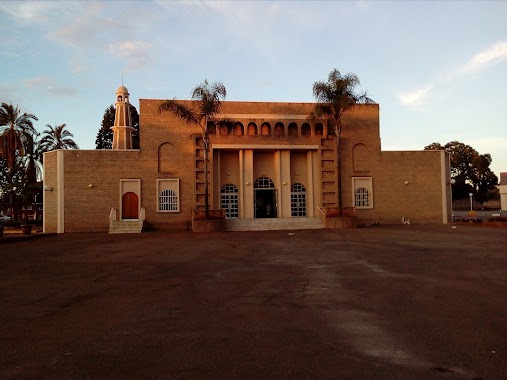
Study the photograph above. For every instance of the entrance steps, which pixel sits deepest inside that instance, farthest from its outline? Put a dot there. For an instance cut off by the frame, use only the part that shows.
(125, 227)
(266, 224)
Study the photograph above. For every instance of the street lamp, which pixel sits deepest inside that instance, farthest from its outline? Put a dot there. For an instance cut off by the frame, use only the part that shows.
(471, 195)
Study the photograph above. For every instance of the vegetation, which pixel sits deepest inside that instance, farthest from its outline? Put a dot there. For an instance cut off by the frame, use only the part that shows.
(21, 155)
(104, 138)
(470, 170)
(334, 98)
(203, 113)
(57, 138)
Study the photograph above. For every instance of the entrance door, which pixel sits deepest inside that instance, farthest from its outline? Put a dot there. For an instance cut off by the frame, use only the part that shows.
(265, 203)
(129, 206)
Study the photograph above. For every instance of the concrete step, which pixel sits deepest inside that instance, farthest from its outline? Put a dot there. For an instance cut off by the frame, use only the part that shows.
(125, 227)
(273, 224)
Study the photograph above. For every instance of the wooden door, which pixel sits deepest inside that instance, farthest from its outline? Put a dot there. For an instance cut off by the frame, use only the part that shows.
(129, 206)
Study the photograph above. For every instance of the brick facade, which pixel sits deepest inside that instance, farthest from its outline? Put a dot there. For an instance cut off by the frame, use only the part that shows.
(86, 184)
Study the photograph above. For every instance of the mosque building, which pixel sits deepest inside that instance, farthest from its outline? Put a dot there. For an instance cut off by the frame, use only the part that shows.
(275, 169)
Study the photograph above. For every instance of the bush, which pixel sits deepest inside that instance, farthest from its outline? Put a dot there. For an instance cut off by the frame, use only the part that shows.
(468, 219)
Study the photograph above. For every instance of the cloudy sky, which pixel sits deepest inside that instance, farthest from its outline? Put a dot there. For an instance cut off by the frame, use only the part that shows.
(437, 69)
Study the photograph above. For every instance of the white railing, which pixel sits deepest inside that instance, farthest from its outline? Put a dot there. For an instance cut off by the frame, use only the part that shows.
(323, 213)
(112, 218)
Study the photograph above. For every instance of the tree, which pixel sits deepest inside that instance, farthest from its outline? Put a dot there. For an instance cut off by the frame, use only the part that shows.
(104, 138)
(470, 170)
(57, 138)
(209, 98)
(334, 98)
(14, 129)
(32, 159)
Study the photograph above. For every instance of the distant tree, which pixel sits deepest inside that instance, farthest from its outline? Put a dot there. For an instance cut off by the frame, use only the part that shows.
(15, 126)
(104, 138)
(334, 98)
(57, 138)
(209, 98)
(470, 170)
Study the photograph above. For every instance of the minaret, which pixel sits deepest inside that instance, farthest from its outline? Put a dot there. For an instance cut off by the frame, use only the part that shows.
(122, 130)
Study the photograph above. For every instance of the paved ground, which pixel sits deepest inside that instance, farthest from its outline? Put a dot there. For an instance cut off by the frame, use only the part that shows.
(404, 302)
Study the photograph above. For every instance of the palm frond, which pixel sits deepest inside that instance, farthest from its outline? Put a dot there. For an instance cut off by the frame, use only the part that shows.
(180, 111)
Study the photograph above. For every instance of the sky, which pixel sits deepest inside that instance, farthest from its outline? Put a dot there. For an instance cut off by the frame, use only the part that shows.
(437, 69)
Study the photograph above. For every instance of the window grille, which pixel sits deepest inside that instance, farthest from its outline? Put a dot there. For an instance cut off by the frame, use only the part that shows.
(263, 183)
(168, 201)
(298, 200)
(362, 197)
(229, 201)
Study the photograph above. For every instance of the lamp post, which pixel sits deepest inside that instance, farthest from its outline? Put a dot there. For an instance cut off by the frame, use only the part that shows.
(471, 195)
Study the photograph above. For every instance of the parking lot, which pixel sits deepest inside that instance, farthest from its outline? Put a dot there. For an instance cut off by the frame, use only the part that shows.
(386, 302)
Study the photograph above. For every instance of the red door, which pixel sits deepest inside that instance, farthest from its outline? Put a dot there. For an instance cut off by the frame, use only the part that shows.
(129, 206)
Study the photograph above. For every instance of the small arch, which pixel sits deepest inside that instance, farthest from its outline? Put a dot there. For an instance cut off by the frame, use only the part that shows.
(165, 156)
(224, 131)
(279, 129)
(319, 129)
(293, 129)
(239, 129)
(266, 129)
(306, 130)
(119, 98)
(264, 183)
(252, 129)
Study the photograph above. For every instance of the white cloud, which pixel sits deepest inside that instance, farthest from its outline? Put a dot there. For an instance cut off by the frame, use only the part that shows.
(494, 54)
(416, 97)
(34, 11)
(136, 52)
(8, 54)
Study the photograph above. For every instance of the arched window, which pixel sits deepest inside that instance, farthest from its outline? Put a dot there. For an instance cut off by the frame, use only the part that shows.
(252, 129)
(298, 200)
(238, 129)
(229, 200)
(265, 129)
(264, 183)
(279, 129)
(293, 129)
(361, 197)
(168, 201)
(319, 129)
(306, 130)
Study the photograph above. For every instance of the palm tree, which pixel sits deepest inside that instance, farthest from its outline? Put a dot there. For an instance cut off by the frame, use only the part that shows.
(14, 128)
(334, 97)
(32, 159)
(57, 138)
(209, 99)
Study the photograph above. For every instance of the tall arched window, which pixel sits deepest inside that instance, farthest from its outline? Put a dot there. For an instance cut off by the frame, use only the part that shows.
(293, 129)
(229, 200)
(298, 200)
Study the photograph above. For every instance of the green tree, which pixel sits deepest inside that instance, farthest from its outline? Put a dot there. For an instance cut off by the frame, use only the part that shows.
(57, 138)
(209, 98)
(334, 98)
(15, 126)
(470, 170)
(104, 138)
(32, 160)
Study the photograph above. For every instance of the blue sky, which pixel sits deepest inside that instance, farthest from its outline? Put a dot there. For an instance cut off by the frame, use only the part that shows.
(437, 69)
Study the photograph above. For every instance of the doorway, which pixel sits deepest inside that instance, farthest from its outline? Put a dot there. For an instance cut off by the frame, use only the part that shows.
(130, 206)
(265, 203)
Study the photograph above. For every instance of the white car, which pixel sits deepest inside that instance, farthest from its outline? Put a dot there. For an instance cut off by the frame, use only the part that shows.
(5, 218)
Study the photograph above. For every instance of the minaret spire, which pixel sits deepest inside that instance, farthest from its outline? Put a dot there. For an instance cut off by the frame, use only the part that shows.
(122, 130)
